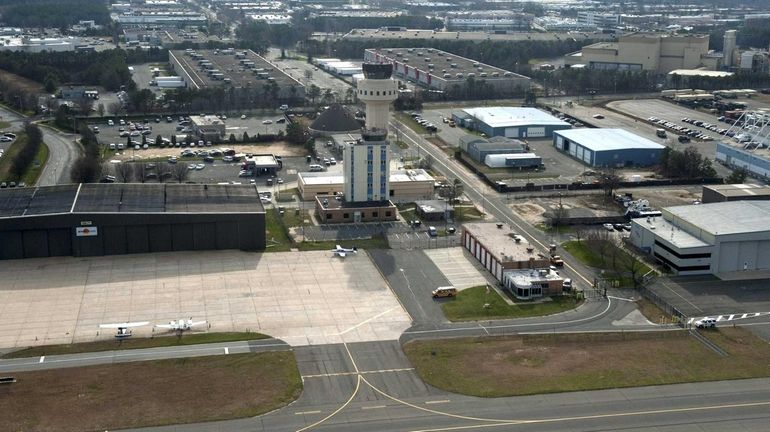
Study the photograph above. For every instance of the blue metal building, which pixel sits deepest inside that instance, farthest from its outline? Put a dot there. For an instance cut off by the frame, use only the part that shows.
(510, 122)
(608, 147)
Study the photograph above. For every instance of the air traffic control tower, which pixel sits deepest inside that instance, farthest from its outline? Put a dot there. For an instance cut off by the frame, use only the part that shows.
(378, 91)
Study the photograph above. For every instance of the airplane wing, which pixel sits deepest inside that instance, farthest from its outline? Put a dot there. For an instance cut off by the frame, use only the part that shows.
(341, 254)
(124, 325)
(197, 323)
(340, 247)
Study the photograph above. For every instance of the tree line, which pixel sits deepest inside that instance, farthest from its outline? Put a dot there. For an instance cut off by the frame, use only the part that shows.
(685, 164)
(87, 168)
(30, 143)
(106, 68)
(53, 13)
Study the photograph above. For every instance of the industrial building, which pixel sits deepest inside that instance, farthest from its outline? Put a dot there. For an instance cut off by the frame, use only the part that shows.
(446, 72)
(479, 148)
(338, 67)
(238, 68)
(713, 238)
(514, 160)
(735, 192)
(510, 122)
(405, 185)
(656, 52)
(117, 218)
(598, 19)
(498, 248)
(615, 148)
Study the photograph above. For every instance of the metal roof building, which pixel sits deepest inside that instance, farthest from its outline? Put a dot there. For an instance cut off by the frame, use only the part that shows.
(510, 122)
(608, 147)
(735, 192)
(121, 218)
(713, 238)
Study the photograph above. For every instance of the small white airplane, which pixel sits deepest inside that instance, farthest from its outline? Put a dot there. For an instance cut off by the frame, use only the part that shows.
(342, 252)
(124, 329)
(181, 324)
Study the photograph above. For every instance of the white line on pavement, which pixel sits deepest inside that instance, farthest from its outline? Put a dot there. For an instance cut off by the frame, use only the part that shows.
(42, 359)
(227, 350)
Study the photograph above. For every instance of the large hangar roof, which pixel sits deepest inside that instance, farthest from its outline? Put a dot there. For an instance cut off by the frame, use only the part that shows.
(129, 198)
(608, 139)
(514, 116)
(726, 218)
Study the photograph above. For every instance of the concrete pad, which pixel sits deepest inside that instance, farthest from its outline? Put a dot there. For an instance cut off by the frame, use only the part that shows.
(633, 318)
(301, 297)
(458, 268)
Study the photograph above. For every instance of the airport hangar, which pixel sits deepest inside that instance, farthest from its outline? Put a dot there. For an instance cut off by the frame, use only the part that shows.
(713, 238)
(120, 218)
(608, 147)
(510, 122)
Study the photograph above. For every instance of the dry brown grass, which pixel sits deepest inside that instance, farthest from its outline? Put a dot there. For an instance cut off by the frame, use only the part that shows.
(507, 366)
(652, 312)
(149, 393)
(21, 83)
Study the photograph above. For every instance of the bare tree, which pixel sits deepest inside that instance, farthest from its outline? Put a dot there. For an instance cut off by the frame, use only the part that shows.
(115, 108)
(164, 171)
(140, 172)
(180, 172)
(609, 181)
(124, 172)
(580, 232)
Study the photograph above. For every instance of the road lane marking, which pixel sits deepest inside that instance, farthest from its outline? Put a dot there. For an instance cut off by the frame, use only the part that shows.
(437, 401)
(307, 412)
(42, 359)
(374, 407)
(369, 320)
(227, 350)
(333, 374)
(350, 399)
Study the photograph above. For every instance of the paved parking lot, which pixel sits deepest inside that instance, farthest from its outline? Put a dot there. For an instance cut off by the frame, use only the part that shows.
(458, 267)
(699, 296)
(300, 70)
(303, 298)
(234, 125)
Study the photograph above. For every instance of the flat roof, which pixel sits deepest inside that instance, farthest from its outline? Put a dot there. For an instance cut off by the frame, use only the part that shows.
(669, 232)
(725, 218)
(206, 120)
(335, 204)
(442, 60)
(700, 72)
(740, 190)
(524, 278)
(333, 178)
(513, 116)
(477, 36)
(231, 67)
(129, 198)
(608, 139)
(434, 206)
(500, 241)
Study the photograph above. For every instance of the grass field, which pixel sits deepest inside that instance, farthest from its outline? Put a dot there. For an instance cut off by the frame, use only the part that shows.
(135, 343)
(469, 306)
(141, 394)
(521, 365)
(32, 172)
(4, 124)
(590, 256)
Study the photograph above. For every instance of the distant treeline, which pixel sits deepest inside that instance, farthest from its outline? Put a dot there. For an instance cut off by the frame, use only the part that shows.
(106, 68)
(53, 13)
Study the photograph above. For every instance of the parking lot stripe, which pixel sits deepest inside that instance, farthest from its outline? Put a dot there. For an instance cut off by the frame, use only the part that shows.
(307, 412)
(374, 407)
(437, 401)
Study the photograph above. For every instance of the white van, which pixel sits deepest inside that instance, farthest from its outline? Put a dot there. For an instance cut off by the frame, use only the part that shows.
(432, 231)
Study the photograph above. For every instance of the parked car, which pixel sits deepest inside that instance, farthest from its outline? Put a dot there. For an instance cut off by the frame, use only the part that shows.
(609, 227)
(267, 122)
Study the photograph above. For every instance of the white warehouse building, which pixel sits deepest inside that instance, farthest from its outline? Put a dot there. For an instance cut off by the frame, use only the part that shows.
(713, 238)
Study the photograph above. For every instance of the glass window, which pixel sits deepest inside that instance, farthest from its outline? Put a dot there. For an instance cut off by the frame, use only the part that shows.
(346, 215)
(387, 214)
(374, 214)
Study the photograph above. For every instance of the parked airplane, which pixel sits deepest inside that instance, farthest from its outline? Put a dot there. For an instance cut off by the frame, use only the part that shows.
(342, 252)
(123, 329)
(180, 325)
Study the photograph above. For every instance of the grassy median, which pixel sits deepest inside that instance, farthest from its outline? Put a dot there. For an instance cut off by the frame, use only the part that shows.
(142, 394)
(135, 343)
(469, 306)
(522, 365)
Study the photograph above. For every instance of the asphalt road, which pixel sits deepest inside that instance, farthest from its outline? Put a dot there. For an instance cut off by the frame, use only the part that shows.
(63, 151)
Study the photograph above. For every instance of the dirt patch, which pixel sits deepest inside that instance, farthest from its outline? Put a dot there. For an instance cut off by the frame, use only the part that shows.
(143, 394)
(21, 83)
(279, 148)
(507, 366)
(530, 212)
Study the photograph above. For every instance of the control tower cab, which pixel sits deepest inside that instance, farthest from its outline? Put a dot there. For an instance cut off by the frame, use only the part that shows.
(378, 90)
